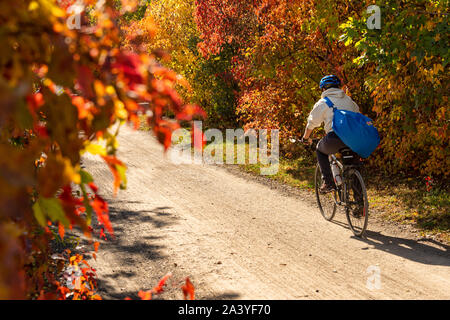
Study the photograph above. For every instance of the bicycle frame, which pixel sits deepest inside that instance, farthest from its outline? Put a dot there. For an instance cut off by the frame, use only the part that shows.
(353, 197)
(340, 190)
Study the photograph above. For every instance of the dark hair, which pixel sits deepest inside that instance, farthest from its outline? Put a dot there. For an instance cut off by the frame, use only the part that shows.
(332, 86)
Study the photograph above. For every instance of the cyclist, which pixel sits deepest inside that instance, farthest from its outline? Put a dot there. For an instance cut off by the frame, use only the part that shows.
(322, 113)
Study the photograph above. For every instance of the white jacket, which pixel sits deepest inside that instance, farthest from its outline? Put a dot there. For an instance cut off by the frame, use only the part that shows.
(322, 113)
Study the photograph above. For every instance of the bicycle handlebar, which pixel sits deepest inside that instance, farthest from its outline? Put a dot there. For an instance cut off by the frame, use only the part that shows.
(309, 148)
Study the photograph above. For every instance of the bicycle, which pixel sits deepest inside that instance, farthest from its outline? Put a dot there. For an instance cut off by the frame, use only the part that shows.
(350, 191)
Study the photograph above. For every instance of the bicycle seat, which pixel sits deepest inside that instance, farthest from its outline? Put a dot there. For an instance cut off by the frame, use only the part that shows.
(349, 157)
(345, 150)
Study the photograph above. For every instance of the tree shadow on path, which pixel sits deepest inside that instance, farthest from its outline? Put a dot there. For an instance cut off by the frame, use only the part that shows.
(136, 253)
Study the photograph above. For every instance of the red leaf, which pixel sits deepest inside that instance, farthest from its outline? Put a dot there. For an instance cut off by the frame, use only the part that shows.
(93, 187)
(145, 295)
(101, 210)
(163, 131)
(164, 136)
(84, 80)
(61, 230)
(188, 290)
(113, 162)
(128, 64)
(35, 101)
(71, 206)
(102, 234)
(189, 111)
(160, 287)
(40, 130)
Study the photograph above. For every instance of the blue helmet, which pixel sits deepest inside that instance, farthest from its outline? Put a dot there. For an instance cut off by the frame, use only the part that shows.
(329, 81)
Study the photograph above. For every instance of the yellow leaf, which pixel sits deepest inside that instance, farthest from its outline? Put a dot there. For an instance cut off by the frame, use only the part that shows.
(437, 68)
(95, 149)
(71, 173)
(110, 90)
(120, 110)
(99, 88)
(33, 6)
(57, 12)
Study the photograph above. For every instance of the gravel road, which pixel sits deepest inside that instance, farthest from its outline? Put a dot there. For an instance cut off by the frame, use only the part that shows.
(238, 238)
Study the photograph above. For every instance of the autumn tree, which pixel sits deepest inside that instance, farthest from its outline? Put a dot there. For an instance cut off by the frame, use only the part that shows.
(396, 74)
(209, 82)
(61, 90)
(406, 67)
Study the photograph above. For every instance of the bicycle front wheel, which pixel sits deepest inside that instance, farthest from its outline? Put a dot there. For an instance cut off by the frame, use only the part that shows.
(327, 201)
(357, 208)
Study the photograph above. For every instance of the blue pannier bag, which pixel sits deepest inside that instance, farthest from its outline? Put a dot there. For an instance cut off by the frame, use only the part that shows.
(355, 130)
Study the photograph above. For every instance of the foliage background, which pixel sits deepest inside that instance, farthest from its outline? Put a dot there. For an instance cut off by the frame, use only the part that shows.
(398, 74)
(61, 91)
(250, 63)
(258, 63)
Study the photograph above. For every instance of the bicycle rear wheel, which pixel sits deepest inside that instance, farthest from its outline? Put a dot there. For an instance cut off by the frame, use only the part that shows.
(357, 208)
(327, 201)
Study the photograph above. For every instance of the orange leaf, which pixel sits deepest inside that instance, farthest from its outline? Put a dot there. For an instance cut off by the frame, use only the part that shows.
(159, 288)
(145, 295)
(61, 230)
(188, 290)
(164, 135)
(113, 162)
(189, 111)
(96, 244)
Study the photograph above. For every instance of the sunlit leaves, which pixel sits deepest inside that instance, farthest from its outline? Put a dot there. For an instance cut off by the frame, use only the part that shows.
(118, 169)
(405, 67)
(201, 81)
(61, 89)
(397, 74)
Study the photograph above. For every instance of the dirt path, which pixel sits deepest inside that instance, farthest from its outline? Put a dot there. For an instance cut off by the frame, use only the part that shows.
(237, 238)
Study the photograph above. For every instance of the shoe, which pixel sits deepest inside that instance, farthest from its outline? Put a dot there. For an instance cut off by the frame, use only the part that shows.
(325, 188)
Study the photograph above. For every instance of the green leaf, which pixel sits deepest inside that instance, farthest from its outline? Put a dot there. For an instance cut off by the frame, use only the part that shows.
(51, 208)
(24, 119)
(86, 177)
(39, 215)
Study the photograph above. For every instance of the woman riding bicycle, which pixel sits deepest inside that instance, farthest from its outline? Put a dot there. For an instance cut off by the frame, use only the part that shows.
(322, 113)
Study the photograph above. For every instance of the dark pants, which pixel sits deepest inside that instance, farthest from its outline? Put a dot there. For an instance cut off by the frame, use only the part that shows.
(330, 144)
